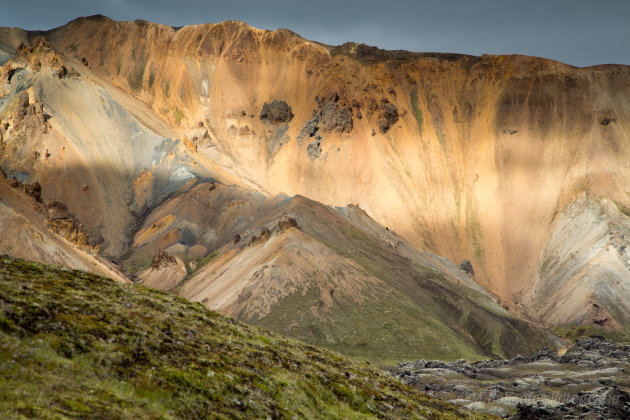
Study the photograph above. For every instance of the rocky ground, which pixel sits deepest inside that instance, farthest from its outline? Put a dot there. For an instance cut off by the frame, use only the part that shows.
(591, 380)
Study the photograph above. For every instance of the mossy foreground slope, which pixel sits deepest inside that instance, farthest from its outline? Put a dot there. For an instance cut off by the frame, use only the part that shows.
(74, 344)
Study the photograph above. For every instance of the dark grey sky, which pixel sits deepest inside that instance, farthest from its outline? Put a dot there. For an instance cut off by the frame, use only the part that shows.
(573, 31)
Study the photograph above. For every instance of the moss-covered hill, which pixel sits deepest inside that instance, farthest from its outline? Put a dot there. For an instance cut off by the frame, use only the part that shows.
(74, 344)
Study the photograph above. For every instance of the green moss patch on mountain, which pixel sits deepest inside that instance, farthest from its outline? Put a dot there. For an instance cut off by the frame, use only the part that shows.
(74, 344)
(383, 331)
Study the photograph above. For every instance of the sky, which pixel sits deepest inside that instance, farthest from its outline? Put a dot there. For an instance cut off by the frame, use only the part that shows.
(576, 32)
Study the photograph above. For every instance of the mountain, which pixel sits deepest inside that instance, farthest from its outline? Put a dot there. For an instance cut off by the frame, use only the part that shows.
(163, 210)
(329, 276)
(71, 346)
(514, 163)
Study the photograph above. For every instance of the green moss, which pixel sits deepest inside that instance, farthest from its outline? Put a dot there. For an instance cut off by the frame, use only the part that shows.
(463, 319)
(623, 209)
(73, 344)
(574, 332)
(151, 79)
(496, 341)
(339, 51)
(442, 139)
(178, 114)
(474, 230)
(545, 264)
(139, 260)
(361, 330)
(416, 110)
(136, 77)
(458, 206)
(206, 260)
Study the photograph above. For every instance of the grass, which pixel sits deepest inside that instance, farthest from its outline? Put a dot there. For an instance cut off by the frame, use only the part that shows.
(76, 345)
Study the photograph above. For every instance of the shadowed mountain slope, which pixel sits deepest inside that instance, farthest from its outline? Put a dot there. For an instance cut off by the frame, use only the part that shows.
(46, 233)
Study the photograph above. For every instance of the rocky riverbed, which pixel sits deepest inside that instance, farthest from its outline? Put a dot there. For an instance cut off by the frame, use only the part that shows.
(591, 380)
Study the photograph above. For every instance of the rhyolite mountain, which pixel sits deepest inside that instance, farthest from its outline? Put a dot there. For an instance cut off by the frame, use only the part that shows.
(194, 140)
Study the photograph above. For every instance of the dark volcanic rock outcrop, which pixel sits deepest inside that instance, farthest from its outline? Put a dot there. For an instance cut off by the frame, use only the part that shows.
(310, 128)
(277, 112)
(162, 259)
(387, 117)
(333, 114)
(466, 266)
(314, 149)
(589, 379)
(336, 116)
